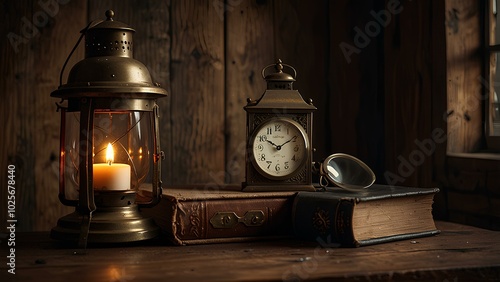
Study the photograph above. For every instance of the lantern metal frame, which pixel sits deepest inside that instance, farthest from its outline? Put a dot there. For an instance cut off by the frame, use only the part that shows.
(108, 79)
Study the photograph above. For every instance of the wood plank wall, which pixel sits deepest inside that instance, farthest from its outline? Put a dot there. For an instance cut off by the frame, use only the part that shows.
(208, 54)
(465, 76)
(409, 82)
(471, 179)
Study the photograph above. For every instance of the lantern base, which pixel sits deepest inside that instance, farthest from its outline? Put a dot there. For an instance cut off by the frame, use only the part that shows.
(108, 225)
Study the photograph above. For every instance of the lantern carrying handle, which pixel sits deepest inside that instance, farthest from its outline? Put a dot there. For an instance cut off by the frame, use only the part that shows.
(83, 31)
(279, 68)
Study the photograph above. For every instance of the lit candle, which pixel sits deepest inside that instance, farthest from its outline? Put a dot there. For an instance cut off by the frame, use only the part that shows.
(111, 176)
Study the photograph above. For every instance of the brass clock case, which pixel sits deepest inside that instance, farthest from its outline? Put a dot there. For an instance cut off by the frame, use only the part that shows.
(279, 102)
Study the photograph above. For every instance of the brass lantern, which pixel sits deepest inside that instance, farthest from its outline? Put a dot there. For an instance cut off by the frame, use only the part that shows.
(110, 152)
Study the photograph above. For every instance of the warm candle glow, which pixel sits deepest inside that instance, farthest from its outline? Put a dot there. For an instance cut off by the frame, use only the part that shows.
(110, 175)
(110, 155)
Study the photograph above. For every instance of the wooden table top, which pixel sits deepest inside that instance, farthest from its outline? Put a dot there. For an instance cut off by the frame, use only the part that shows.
(459, 253)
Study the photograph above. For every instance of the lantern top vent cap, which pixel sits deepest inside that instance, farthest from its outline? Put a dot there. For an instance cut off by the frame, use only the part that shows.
(108, 69)
(109, 23)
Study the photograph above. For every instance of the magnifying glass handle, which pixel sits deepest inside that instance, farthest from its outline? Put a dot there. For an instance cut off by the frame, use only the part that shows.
(323, 182)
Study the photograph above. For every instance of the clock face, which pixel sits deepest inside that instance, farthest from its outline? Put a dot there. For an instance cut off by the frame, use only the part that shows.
(279, 148)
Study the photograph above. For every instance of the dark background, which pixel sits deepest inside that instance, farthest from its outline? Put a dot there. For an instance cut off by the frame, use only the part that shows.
(379, 72)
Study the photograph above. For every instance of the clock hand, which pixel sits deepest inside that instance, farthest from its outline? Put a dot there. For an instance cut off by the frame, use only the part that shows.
(278, 147)
(271, 142)
(294, 137)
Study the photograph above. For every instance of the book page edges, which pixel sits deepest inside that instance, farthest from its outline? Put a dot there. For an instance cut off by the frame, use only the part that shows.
(387, 217)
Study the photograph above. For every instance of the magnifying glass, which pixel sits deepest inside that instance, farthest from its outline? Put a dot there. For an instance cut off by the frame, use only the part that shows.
(346, 172)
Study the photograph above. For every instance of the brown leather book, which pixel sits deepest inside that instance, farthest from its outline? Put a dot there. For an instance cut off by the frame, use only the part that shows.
(195, 215)
(380, 214)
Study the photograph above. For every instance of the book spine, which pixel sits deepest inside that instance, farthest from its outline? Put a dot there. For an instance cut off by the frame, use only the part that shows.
(343, 229)
(225, 220)
(327, 221)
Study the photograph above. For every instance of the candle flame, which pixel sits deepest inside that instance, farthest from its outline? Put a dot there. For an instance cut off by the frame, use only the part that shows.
(110, 155)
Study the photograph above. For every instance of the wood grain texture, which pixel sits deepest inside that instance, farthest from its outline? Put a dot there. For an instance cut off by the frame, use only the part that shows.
(459, 253)
(472, 190)
(439, 103)
(408, 90)
(197, 84)
(301, 40)
(464, 73)
(249, 44)
(18, 112)
(471, 197)
(60, 33)
(31, 139)
(356, 109)
(343, 81)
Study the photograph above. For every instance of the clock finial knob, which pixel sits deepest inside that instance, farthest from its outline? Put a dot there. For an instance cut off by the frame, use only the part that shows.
(279, 79)
(109, 15)
(279, 66)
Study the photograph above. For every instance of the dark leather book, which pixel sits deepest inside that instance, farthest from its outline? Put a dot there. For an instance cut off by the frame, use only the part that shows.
(194, 215)
(378, 215)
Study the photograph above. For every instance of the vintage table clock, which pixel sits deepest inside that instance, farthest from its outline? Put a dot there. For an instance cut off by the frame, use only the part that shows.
(109, 139)
(279, 136)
